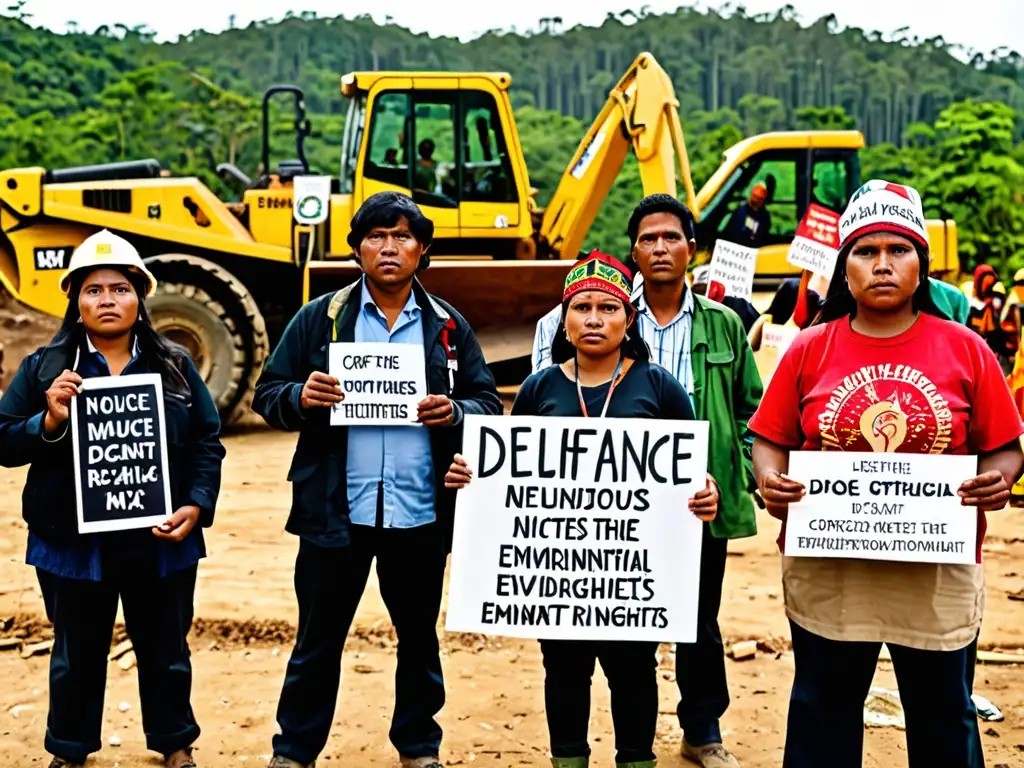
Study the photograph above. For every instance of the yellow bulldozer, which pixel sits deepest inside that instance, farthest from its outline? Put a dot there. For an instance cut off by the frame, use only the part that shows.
(232, 274)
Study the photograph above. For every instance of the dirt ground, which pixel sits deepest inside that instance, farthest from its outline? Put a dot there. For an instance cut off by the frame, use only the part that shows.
(494, 715)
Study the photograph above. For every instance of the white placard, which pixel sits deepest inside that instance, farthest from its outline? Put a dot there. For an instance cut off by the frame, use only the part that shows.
(382, 383)
(312, 198)
(733, 267)
(882, 506)
(778, 336)
(576, 528)
(816, 245)
(811, 255)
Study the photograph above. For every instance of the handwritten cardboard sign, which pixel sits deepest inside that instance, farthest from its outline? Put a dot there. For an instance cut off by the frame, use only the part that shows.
(577, 528)
(732, 267)
(816, 244)
(120, 453)
(382, 383)
(882, 506)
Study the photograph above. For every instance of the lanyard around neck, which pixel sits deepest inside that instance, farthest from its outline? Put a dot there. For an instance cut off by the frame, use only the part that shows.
(611, 386)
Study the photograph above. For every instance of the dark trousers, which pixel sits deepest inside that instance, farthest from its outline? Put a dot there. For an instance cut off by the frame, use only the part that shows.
(329, 584)
(826, 708)
(631, 669)
(700, 666)
(158, 615)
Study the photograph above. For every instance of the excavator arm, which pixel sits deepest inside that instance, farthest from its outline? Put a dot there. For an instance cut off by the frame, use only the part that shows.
(641, 113)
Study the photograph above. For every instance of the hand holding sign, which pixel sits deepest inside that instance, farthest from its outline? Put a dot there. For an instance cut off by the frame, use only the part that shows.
(704, 503)
(987, 491)
(320, 391)
(179, 525)
(58, 399)
(459, 474)
(778, 492)
(435, 411)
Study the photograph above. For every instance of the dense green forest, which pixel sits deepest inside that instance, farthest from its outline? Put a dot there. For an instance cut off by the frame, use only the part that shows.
(954, 128)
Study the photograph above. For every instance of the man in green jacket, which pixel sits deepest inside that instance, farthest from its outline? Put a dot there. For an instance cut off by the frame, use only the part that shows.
(704, 345)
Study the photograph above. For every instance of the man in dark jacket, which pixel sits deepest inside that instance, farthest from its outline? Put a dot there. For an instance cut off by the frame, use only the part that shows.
(371, 491)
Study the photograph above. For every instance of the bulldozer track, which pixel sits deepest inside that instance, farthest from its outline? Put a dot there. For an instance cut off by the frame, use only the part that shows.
(201, 281)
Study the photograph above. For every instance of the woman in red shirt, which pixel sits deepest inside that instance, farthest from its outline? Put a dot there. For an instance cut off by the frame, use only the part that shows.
(884, 371)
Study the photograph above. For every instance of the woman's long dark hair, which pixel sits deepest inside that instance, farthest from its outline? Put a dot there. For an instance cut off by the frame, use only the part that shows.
(162, 355)
(839, 301)
(632, 345)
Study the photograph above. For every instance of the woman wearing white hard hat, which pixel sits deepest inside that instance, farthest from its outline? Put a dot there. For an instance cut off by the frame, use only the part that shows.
(884, 371)
(106, 332)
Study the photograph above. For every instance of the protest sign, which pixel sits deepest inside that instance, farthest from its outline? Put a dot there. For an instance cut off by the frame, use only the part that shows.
(579, 529)
(120, 453)
(732, 267)
(775, 340)
(382, 383)
(882, 506)
(816, 244)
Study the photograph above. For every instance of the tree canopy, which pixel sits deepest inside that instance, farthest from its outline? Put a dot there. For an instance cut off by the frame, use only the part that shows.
(950, 127)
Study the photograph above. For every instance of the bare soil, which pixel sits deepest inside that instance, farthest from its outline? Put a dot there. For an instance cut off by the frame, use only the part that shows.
(494, 715)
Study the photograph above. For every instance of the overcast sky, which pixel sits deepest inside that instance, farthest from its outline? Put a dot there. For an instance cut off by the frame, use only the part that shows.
(979, 24)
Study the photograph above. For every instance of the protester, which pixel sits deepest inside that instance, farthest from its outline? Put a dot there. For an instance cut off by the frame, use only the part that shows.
(986, 316)
(885, 371)
(106, 332)
(371, 491)
(703, 345)
(601, 369)
(547, 327)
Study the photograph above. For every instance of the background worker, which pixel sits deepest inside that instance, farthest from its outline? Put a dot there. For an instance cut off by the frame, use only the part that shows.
(601, 369)
(106, 332)
(751, 223)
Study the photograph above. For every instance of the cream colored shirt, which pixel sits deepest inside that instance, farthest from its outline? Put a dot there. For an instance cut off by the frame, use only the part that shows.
(918, 605)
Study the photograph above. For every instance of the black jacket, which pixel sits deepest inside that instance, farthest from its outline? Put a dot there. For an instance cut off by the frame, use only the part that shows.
(194, 449)
(319, 510)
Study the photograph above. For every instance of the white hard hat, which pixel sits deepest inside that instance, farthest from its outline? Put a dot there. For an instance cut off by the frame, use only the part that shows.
(105, 249)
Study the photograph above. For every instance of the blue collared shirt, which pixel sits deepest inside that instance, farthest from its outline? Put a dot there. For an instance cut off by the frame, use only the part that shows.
(83, 556)
(395, 459)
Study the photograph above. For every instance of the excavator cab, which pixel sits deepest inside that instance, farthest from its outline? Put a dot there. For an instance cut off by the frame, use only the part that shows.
(450, 143)
(797, 168)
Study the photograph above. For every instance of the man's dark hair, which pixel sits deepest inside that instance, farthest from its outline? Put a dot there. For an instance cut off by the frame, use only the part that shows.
(660, 203)
(384, 209)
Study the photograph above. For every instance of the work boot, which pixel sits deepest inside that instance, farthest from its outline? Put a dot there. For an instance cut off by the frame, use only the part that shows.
(570, 762)
(180, 759)
(712, 755)
(640, 764)
(60, 762)
(421, 762)
(277, 761)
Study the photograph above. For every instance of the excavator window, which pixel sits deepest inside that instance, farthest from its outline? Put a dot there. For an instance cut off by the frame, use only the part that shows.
(834, 178)
(445, 147)
(784, 175)
(486, 170)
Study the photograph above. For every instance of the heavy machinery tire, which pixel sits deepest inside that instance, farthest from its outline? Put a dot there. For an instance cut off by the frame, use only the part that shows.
(207, 310)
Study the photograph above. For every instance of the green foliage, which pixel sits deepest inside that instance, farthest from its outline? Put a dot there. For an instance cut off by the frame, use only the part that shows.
(954, 130)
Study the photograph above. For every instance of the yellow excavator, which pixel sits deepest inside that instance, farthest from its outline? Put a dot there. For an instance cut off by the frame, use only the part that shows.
(232, 274)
